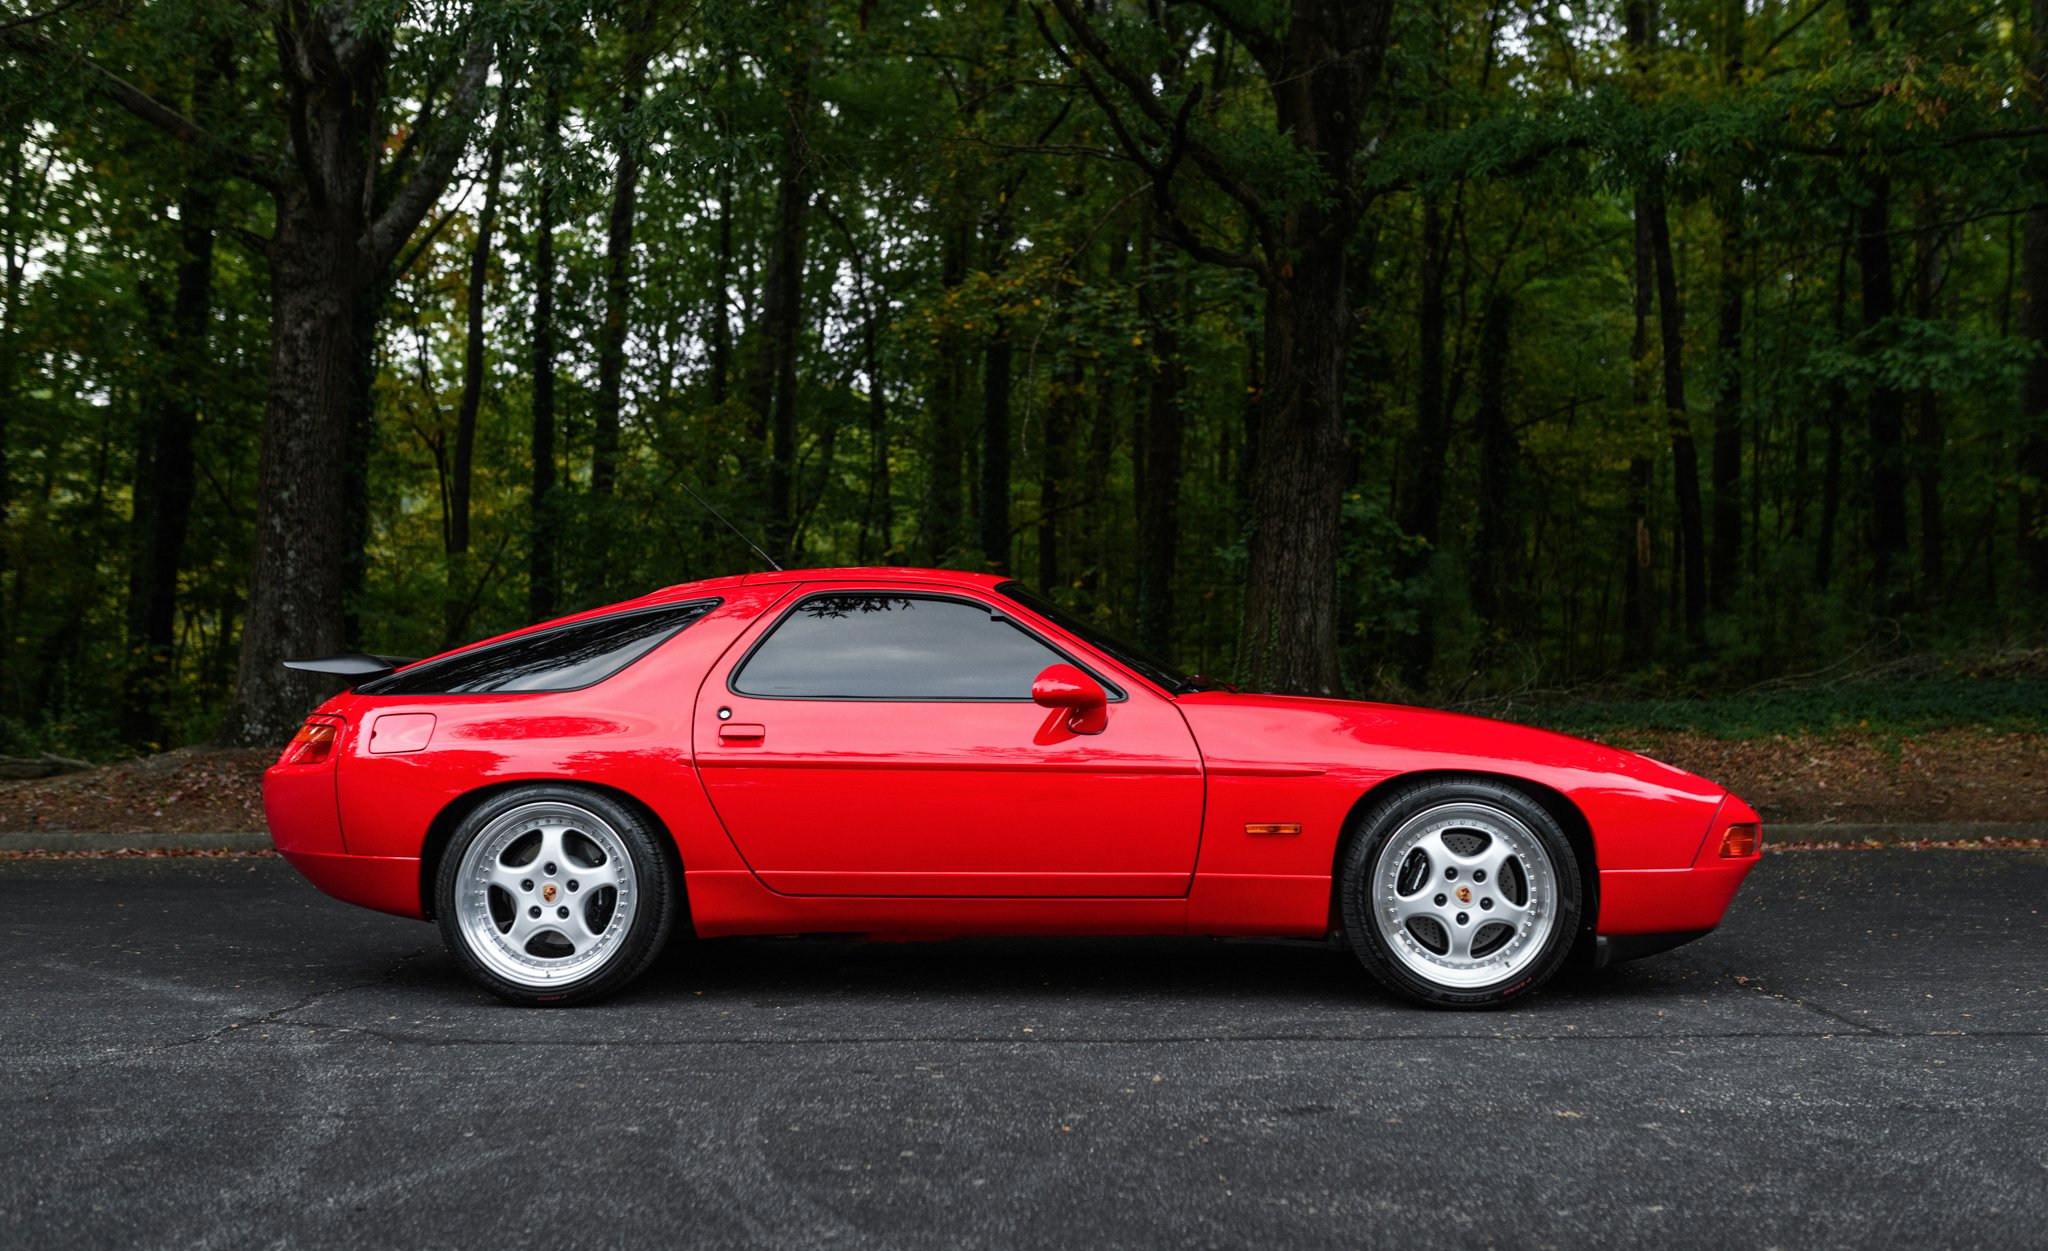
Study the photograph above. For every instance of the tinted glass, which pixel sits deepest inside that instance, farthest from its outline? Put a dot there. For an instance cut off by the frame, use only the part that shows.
(867, 646)
(561, 659)
(1095, 636)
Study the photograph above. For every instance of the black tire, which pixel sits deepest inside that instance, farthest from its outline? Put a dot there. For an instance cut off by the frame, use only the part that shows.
(1393, 811)
(655, 893)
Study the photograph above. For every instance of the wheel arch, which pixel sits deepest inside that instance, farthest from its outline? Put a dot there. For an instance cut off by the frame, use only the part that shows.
(1577, 830)
(441, 830)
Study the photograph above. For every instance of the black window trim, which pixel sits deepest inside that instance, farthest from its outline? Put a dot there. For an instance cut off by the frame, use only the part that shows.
(710, 605)
(1116, 693)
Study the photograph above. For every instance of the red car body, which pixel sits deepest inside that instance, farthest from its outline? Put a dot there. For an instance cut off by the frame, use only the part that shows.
(1205, 813)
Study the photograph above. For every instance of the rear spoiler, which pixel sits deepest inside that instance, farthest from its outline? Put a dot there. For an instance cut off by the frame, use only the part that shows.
(357, 667)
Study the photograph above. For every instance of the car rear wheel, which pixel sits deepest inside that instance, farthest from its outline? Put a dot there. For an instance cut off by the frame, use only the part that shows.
(554, 895)
(1460, 892)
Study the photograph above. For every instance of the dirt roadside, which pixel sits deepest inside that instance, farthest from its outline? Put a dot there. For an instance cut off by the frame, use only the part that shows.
(1945, 776)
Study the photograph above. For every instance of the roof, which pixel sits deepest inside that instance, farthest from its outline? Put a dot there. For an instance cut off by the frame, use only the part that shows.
(870, 573)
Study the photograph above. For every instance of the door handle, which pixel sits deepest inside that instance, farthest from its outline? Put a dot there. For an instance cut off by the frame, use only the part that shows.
(741, 732)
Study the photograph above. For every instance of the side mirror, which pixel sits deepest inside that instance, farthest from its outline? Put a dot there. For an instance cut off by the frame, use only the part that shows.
(1064, 686)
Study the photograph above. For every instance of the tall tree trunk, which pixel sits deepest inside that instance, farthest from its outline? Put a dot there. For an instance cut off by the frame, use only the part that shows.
(459, 595)
(1685, 461)
(879, 516)
(2033, 325)
(541, 589)
(164, 465)
(1928, 437)
(1493, 580)
(1886, 412)
(1422, 480)
(996, 363)
(722, 260)
(1062, 417)
(940, 526)
(1830, 487)
(1637, 614)
(1158, 456)
(1288, 641)
(774, 380)
(609, 402)
(1727, 457)
(1641, 22)
(297, 578)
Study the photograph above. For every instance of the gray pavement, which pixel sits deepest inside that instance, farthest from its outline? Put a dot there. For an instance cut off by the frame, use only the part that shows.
(210, 1054)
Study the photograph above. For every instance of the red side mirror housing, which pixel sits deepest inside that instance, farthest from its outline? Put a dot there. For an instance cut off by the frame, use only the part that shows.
(1064, 686)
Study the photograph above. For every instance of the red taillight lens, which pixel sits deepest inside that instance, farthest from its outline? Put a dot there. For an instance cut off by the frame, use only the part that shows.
(312, 744)
(1741, 840)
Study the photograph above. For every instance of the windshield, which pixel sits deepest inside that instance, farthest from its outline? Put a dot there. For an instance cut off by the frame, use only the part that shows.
(1157, 671)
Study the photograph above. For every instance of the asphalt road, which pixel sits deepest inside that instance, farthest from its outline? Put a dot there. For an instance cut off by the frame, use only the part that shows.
(201, 1054)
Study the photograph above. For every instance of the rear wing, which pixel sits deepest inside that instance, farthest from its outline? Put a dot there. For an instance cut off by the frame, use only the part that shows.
(357, 667)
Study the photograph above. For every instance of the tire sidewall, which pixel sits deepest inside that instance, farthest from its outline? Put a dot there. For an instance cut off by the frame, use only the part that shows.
(647, 932)
(1379, 823)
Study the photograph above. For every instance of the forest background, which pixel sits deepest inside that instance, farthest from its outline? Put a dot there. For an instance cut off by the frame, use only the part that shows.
(1582, 362)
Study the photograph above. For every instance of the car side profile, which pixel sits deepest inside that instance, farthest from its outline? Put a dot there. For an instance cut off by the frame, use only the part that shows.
(924, 752)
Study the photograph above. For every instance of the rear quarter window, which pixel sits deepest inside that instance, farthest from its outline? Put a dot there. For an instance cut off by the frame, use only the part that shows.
(564, 658)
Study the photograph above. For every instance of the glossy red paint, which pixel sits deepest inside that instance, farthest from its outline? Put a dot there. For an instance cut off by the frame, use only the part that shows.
(905, 817)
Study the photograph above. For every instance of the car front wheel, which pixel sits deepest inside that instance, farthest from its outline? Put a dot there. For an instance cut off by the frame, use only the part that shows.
(554, 895)
(1460, 892)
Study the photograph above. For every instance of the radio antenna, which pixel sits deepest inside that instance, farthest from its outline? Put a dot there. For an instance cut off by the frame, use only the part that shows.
(765, 557)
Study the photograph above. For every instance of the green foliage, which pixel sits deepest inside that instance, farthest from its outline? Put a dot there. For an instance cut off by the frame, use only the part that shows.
(964, 189)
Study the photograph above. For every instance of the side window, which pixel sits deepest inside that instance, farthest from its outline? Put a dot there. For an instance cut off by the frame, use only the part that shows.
(872, 646)
(562, 659)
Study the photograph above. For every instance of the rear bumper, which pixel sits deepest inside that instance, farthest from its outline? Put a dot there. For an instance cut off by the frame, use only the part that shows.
(386, 883)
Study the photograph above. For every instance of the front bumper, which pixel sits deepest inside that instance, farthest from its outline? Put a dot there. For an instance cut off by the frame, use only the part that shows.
(1644, 911)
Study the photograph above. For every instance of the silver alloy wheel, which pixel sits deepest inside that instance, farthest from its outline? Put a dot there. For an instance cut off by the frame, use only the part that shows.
(1464, 894)
(545, 894)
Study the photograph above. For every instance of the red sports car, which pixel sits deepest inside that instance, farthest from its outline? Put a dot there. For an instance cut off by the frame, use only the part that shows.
(920, 752)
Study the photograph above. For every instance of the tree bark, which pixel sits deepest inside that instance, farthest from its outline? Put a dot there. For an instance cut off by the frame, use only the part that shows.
(1685, 461)
(940, 526)
(1637, 615)
(1158, 455)
(722, 265)
(774, 395)
(296, 580)
(2033, 327)
(164, 465)
(1727, 455)
(1289, 638)
(1727, 461)
(1890, 545)
(608, 403)
(14, 258)
(1928, 436)
(455, 618)
(996, 362)
(541, 589)
(1493, 580)
(1422, 479)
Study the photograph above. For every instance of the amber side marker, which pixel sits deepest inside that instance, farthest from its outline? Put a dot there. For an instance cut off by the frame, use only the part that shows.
(1741, 840)
(1273, 827)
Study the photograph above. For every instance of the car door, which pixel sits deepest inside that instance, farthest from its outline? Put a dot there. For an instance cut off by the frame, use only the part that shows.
(874, 740)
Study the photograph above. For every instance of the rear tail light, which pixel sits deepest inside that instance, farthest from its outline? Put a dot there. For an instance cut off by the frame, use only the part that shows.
(1741, 840)
(312, 744)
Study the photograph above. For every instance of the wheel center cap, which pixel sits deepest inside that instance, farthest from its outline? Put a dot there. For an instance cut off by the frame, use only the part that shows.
(548, 893)
(1464, 894)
